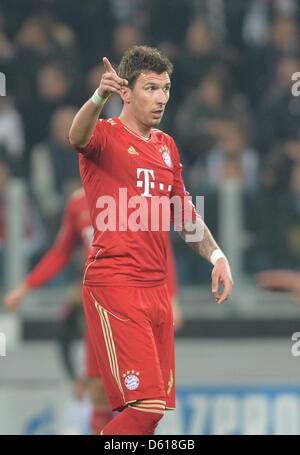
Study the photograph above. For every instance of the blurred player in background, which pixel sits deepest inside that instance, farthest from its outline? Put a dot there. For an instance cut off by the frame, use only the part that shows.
(280, 281)
(76, 229)
(125, 298)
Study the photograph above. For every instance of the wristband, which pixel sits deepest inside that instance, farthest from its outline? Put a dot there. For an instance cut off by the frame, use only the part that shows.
(97, 99)
(216, 254)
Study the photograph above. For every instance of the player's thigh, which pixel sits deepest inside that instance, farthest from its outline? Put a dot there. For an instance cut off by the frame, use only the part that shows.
(164, 339)
(92, 369)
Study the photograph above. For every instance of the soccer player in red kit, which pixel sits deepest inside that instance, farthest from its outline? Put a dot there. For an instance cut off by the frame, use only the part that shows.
(76, 229)
(124, 163)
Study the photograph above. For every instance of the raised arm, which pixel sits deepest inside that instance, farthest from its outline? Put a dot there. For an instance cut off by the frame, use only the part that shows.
(86, 118)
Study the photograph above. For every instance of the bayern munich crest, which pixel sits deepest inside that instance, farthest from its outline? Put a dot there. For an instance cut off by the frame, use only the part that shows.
(166, 156)
(131, 379)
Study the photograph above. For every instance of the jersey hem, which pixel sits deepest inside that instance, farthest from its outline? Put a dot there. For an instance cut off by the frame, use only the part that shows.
(137, 284)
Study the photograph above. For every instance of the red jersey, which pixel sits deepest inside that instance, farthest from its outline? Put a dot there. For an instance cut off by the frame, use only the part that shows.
(118, 159)
(76, 229)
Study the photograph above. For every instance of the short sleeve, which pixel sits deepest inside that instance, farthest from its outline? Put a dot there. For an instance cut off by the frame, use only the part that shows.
(179, 191)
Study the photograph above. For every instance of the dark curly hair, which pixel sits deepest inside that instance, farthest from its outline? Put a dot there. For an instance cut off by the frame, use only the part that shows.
(143, 58)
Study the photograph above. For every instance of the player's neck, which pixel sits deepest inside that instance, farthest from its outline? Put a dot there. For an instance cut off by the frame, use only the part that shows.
(135, 126)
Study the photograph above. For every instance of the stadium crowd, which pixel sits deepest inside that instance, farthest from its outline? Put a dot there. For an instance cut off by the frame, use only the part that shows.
(232, 110)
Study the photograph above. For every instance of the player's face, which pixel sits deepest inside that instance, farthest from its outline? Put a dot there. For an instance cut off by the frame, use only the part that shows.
(149, 97)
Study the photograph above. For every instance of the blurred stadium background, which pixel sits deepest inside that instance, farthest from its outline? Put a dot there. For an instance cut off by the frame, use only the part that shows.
(237, 123)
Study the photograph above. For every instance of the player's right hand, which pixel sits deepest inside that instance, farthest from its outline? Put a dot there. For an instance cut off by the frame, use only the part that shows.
(13, 299)
(110, 81)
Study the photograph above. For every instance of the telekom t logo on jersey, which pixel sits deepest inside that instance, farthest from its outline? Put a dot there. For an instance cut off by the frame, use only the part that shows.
(146, 182)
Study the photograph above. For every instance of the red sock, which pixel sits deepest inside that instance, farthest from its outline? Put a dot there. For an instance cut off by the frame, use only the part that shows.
(133, 421)
(99, 419)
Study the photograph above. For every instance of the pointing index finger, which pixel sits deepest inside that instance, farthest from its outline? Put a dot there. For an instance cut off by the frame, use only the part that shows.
(107, 65)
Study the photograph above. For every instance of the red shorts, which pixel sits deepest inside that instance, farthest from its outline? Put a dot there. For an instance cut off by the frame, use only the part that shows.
(91, 366)
(132, 332)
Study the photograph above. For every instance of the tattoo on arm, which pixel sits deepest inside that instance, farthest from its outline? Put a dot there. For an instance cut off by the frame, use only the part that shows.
(206, 245)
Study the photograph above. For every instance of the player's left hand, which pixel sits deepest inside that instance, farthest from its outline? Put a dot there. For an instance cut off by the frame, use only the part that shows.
(221, 277)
